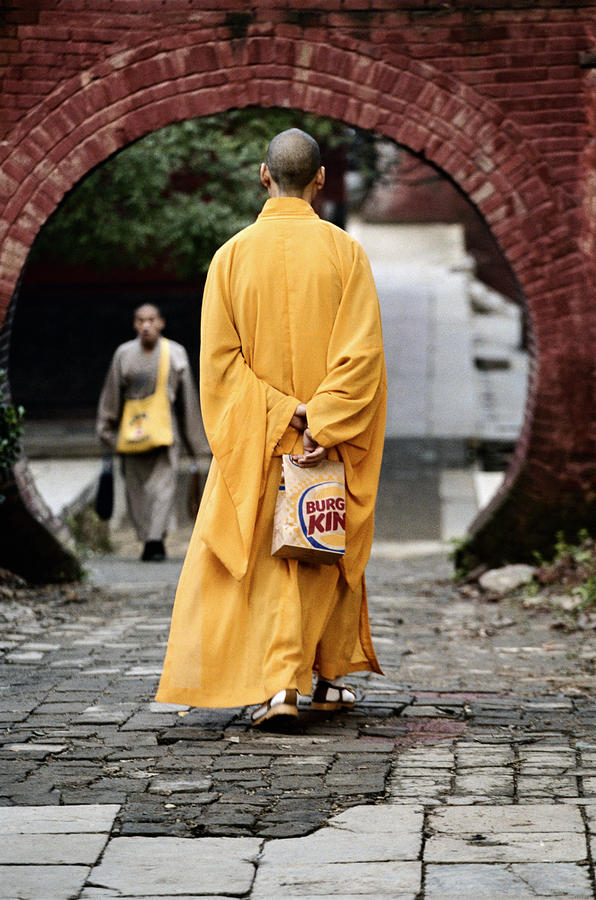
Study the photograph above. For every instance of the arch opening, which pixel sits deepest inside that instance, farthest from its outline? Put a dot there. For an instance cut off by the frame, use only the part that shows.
(434, 435)
(93, 114)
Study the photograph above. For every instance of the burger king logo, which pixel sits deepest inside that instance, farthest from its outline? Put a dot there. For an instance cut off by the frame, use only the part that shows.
(322, 516)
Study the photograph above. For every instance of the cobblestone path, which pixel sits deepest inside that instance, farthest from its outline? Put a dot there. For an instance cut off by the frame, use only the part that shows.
(483, 707)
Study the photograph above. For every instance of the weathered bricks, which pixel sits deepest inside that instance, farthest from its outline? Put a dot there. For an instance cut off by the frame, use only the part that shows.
(499, 102)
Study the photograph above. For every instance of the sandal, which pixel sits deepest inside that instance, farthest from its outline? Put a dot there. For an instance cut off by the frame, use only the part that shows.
(282, 706)
(328, 697)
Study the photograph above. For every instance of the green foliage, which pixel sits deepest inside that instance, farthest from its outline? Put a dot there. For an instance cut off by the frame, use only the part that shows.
(91, 534)
(177, 194)
(11, 429)
(586, 592)
(457, 554)
(573, 568)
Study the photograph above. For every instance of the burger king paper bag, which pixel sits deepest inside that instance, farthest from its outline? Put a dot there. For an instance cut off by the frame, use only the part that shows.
(310, 513)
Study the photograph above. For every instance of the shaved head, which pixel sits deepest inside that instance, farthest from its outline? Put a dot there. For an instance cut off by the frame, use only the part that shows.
(293, 159)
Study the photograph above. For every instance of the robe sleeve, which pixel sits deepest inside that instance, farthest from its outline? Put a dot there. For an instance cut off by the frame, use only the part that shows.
(347, 400)
(109, 407)
(347, 411)
(245, 418)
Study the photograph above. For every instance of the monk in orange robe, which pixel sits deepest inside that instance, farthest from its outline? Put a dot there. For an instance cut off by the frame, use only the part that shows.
(291, 362)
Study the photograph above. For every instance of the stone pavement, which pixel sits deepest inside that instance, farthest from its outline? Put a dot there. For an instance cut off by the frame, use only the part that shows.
(469, 770)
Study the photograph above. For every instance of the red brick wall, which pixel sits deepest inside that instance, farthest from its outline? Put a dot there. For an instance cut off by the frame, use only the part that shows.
(494, 95)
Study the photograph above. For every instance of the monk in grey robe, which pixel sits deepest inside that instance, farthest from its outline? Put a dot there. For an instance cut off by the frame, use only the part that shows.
(150, 477)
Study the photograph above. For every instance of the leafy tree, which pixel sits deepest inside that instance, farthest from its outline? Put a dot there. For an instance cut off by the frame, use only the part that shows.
(177, 194)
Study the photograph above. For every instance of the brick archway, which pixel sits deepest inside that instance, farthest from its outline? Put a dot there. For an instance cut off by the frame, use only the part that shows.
(184, 74)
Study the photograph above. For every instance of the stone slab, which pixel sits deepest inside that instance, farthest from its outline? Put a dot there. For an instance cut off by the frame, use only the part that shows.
(412, 772)
(535, 818)
(547, 786)
(490, 785)
(77, 819)
(28, 658)
(343, 896)
(330, 846)
(167, 707)
(135, 866)
(515, 881)
(106, 715)
(506, 847)
(380, 819)
(177, 785)
(435, 766)
(560, 758)
(483, 759)
(51, 849)
(36, 748)
(362, 879)
(41, 882)
(420, 786)
(91, 893)
(589, 785)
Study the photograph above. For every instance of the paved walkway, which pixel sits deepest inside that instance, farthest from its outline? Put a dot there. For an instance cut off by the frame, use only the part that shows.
(468, 771)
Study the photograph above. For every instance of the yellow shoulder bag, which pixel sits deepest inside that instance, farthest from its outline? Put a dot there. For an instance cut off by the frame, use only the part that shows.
(147, 423)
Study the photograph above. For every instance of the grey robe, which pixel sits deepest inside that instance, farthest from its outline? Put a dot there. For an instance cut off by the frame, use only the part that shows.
(150, 478)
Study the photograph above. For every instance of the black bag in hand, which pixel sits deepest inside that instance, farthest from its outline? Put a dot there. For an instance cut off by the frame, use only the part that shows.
(195, 492)
(104, 501)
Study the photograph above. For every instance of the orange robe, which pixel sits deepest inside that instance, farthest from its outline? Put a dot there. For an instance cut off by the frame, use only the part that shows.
(290, 314)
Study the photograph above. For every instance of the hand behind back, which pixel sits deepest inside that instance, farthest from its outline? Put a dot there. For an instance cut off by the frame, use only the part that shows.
(312, 454)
